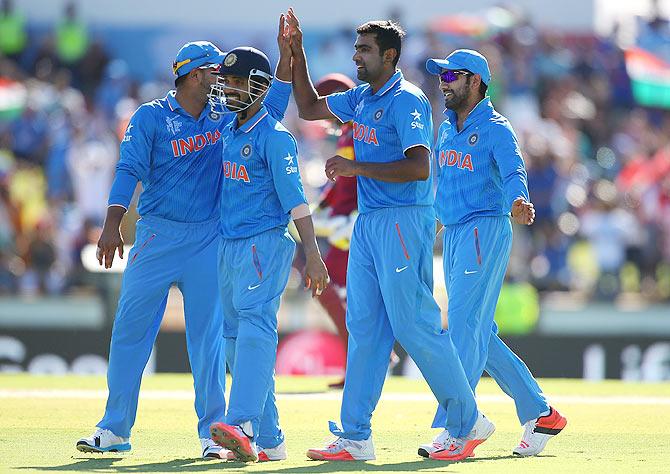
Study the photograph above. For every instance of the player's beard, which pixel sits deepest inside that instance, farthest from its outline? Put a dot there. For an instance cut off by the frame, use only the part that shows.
(456, 101)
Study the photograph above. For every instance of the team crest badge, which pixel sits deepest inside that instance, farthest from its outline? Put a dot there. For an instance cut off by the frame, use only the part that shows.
(473, 139)
(230, 60)
(246, 151)
(378, 114)
(214, 116)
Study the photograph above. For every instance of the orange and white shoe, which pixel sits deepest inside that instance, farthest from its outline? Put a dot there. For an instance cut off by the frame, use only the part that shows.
(538, 432)
(457, 449)
(425, 450)
(236, 438)
(278, 453)
(343, 449)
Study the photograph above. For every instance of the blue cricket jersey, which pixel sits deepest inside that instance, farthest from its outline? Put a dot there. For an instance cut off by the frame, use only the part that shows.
(261, 179)
(178, 158)
(385, 124)
(480, 169)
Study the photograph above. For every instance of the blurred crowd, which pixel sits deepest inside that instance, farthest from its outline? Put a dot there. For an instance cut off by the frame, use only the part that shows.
(598, 163)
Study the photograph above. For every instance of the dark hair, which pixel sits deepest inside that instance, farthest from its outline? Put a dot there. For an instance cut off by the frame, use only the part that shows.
(180, 80)
(388, 34)
(482, 87)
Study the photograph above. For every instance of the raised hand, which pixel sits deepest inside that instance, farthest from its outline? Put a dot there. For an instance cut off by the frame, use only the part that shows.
(283, 71)
(294, 31)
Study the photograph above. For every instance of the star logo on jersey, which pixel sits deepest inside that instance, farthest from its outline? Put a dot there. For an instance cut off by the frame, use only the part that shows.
(246, 151)
(290, 164)
(416, 120)
(173, 125)
(359, 108)
(378, 114)
(472, 139)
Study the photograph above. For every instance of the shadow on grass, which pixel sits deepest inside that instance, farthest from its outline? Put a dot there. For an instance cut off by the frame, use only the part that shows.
(315, 467)
(107, 465)
(423, 465)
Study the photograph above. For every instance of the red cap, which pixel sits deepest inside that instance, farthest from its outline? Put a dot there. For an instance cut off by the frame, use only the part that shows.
(331, 83)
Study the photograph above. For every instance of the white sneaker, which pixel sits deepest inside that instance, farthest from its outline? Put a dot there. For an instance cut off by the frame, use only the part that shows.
(103, 441)
(457, 449)
(211, 450)
(425, 450)
(278, 453)
(537, 432)
(342, 449)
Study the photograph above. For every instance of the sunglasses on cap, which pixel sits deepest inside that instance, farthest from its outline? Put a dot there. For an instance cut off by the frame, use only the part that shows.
(448, 76)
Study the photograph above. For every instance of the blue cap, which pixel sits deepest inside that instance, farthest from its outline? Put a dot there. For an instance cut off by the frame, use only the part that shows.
(196, 54)
(245, 60)
(462, 59)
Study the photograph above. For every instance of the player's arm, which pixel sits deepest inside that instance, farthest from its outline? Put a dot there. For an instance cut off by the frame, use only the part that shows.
(276, 100)
(414, 167)
(316, 274)
(508, 158)
(281, 154)
(310, 105)
(132, 167)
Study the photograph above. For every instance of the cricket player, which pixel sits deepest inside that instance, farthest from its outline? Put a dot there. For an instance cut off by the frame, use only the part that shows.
(172, 145)
(389, 278)
(482, 180)
(261, 191)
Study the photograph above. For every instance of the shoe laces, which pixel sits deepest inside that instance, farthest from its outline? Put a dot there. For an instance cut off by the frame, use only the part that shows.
(528, 430)
(442, 440)
(334, 442)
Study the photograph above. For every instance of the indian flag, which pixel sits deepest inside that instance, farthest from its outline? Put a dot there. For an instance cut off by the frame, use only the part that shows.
(650, 78)
(13, 96)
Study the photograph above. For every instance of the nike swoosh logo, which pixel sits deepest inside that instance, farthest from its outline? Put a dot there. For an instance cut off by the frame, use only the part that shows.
(470, 272)
(253, 287)
(398, 270)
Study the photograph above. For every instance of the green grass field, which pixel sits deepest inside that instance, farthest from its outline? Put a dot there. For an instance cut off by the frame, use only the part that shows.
(612, 427)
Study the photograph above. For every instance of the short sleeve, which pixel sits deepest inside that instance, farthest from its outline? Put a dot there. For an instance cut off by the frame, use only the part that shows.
(343, 104)
(413, 119)
(281, 154)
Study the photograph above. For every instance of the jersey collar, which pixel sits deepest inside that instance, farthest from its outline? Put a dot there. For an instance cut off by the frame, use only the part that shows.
(175, 107)
(172, 101)
(395, 79)
(253, 121)
(483, 107)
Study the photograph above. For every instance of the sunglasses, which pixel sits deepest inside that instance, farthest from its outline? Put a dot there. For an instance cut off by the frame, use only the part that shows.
(451, 76)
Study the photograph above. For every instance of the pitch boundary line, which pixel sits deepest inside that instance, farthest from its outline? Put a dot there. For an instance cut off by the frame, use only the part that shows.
(332, 396)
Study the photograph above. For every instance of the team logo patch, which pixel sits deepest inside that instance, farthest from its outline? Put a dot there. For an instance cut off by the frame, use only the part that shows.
(173, 125)
(230, 60)
(214, 116)
(378, 114)
(246, 151)
(473, 139)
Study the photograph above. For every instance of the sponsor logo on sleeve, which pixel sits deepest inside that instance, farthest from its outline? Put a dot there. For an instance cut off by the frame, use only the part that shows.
(416, 120)
(290, 164)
